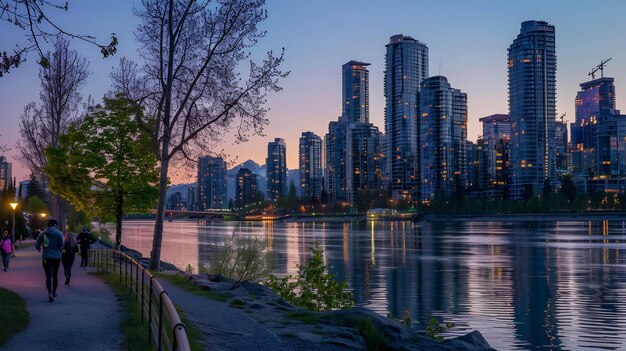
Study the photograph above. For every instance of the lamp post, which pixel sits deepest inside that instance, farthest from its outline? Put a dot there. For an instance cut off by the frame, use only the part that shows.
(13, 206)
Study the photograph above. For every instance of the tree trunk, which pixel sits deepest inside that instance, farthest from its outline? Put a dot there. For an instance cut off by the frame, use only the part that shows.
(155, 254)
(119, 213)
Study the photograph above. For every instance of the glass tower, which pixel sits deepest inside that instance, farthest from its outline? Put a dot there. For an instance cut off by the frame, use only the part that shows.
(276, 165)
(532, 107)
(211, 183)
(310, 163)
(406, 65)
(443, 134)
(5, 173)
(355, 92)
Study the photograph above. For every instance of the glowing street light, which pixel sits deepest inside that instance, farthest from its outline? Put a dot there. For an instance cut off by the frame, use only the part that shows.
(13, 206)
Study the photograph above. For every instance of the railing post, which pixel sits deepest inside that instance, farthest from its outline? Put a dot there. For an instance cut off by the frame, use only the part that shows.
(161, 318)
(175, 343)
(125, 272)
(136, 281)
(119, 253)
(150, 311)
(143, 270)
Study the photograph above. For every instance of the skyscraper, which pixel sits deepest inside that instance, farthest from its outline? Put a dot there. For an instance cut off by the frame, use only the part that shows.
(5, 173)
(532, 107)
(246, 188)
(310, 164)
(211, 183)
(364, 159)
(355, 92)
(495, 146)
(443, 134)
(276, 168)
(406, 65)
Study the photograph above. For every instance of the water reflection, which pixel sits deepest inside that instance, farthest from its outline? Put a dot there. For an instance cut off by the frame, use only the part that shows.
(540, 285)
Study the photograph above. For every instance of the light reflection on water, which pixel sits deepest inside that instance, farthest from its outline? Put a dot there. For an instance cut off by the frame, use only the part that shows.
(523, 285)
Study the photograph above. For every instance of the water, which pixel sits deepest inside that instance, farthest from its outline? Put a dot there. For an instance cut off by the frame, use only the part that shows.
(523, 285)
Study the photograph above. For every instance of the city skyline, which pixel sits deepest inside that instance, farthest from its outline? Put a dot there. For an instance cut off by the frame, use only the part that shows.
(315, 63)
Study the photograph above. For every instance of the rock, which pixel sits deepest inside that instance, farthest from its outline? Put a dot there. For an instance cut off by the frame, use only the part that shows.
(471, 341)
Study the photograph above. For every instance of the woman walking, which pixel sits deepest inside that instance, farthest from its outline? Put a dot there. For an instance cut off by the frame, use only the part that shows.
(7, 247)
(68, 254)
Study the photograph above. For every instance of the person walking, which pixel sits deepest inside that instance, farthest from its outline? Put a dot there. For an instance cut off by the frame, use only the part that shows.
(7, 247)
(52, 240)
(85, 239)
(68, 254)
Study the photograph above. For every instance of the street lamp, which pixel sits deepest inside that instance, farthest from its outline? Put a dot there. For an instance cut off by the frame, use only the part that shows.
(13, 206)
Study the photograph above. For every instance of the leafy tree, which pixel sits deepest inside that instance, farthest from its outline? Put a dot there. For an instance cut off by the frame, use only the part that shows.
(528, 192)
(34, 189)
(104, 166)
(190, 84)
(568, 188)
(33, 17)
(312, 288)
(547, 188)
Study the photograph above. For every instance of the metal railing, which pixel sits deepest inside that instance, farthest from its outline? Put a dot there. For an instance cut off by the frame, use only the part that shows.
(165, 329)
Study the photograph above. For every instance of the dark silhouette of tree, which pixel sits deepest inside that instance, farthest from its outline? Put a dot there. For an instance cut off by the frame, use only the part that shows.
(189, 83)
(33, 17)
(528, 193)
(568, 188)
(547, 188)
(42, 124)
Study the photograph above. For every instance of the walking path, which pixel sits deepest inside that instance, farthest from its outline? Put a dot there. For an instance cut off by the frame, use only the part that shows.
(85, 316)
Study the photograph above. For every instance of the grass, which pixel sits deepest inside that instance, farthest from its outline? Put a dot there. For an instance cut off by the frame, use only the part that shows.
(13, 315)
(374, 338)
(304, 316)
(237, 303)
(184, 284)
(135, 333)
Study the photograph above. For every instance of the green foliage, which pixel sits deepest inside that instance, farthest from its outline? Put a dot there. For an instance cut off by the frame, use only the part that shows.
(105, 166)
(189, 269)
(241, 259)
(312, 288)
(13, 315)
(374, 338)
(434, 328)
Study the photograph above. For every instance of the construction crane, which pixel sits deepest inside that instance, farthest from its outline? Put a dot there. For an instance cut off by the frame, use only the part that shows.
(600, 68)
(563, 117)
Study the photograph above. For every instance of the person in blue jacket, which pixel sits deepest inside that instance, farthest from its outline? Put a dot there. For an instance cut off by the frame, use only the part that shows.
(53, 242)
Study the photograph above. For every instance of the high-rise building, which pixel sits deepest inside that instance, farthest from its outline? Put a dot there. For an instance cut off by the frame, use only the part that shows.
(276, 168)
(364, 159)
(310, 164)
(355, 92)
(495, 156)
(211, 183)
(443, 136)
(5, 173)
(406, 65)
(496, 126)
(532, 107)
(246, 188)
(335, 157)
(192, 198)
(561, 150)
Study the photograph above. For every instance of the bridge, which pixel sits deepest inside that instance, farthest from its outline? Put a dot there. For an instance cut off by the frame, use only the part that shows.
(210, 212)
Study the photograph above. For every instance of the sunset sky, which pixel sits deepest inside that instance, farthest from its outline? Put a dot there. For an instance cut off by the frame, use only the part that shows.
(467, 41)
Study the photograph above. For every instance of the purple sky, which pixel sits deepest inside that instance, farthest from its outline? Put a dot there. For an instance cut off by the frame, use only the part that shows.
(467, 41)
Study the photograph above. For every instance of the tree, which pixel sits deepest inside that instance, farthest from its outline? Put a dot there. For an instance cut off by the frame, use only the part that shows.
(34, 189)
(42, 124)
(528, 192)
(547, 188)
(190, 85)
(104, 165)
(568, 188)
(32, 17)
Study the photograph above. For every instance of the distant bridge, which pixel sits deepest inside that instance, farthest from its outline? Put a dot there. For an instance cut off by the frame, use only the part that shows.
(210, 212)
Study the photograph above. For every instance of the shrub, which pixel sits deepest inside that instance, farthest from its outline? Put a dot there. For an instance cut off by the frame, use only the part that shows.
(312, 288)
(241, 259)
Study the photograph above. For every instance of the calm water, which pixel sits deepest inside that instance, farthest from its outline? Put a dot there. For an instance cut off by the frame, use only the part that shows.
(523, 285)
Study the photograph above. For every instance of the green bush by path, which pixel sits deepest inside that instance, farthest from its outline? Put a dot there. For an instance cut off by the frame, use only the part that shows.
(13, 315)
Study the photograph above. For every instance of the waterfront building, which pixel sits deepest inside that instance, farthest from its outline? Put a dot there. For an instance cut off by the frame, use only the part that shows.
(310, 165)
(355, 92)
(192, 198)
(276, 168)
(562, 163)
(495, 153)
(532, 107)
(406, 65)
(5, 173)
(246, 188)
(443, 135)
(175, 202)
(364, 159)
(212, 191)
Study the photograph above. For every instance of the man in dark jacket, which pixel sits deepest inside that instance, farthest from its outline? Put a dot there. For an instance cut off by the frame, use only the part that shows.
(84, 240)
(52, 241)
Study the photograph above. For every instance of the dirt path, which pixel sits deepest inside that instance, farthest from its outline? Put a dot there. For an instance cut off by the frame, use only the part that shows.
(85, 316)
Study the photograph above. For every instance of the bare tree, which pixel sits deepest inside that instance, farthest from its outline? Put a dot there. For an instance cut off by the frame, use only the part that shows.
(32, 17)
(190, 82)
(41, 124)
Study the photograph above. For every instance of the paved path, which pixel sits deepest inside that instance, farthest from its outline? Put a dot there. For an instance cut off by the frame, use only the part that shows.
(85, 316)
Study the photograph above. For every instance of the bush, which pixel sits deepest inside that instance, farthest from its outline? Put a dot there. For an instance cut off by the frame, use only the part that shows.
(312, 288)
(241, 259)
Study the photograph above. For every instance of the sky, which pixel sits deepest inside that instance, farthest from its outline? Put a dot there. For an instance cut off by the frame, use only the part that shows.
(467, 43)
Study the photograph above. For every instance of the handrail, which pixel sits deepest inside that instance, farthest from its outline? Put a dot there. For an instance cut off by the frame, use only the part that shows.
(154, 300)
